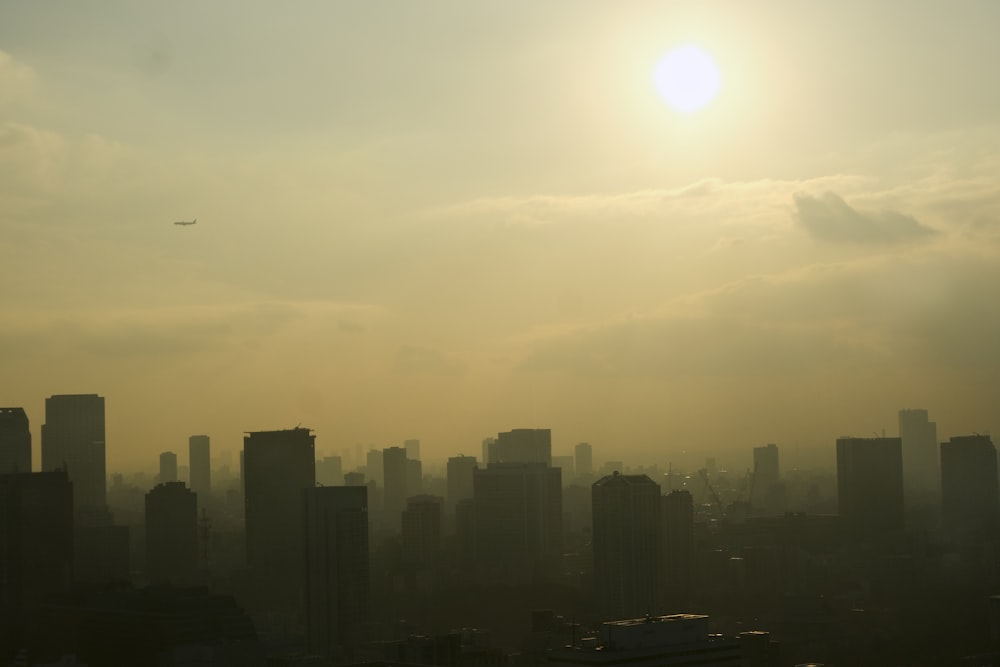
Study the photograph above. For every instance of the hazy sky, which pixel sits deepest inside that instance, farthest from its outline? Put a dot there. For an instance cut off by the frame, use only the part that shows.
(446, 219)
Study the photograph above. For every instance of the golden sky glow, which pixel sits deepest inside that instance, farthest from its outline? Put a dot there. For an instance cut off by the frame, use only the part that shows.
(451, 219)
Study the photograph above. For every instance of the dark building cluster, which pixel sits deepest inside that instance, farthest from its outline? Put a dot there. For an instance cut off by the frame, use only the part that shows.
(517, 558)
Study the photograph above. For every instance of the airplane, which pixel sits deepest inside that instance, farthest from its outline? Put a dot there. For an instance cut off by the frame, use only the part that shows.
(186, 222)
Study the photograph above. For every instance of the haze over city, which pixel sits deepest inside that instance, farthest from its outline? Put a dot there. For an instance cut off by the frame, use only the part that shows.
(445, 220)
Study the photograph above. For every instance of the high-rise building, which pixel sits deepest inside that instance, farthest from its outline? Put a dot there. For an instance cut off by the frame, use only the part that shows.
(168, 467)
(518, 517)
(678, 545)
(414, 476)
(171, 535)
(765, 465)
(459, 479)
(970, 505)
(330, 471)
(584, 459)
(628, 532)
(567, 464)
(489, 451)
(278, 466)
(870, 485)
(15, 441)
(337, 579)
(200, 463)
(525, 445)
(421, 529)
(921, 462)
(374, 467)
(412, 447)
(36, 550)
(395, 472)
(73, 440)
(768, 493)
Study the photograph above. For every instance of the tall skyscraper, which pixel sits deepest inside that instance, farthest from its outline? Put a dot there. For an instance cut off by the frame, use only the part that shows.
(171, 535)
(970, 505)
(168, 467)
(73, 439)
(768, 493)
(518, 518)
(765, 465)
(395, 472)
(412, 447)
(278, 466)
(200, 463)
(36, 550)
(459, 479)
(337, 579)
(421, 530)
(414, 477)
(584, 459)
(15, 441)
(921, 458)
(870, 485)
(374, 467)
(525, 445)
(628, 533)
(489, 451)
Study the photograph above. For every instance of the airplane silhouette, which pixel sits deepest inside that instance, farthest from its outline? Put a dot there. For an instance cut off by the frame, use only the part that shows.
(186, 222)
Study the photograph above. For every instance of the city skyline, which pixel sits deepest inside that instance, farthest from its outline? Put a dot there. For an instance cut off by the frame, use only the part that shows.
(470, 217)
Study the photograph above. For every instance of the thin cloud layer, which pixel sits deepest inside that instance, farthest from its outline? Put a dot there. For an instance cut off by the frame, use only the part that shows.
(829, 218)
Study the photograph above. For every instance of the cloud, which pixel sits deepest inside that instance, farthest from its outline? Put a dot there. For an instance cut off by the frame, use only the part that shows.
(829, 218)
(17, 81)
(412, 360)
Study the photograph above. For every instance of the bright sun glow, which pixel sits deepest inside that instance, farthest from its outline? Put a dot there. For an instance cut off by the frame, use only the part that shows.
(687, 78)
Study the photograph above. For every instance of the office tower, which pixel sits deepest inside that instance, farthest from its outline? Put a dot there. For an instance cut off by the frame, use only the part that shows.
(330, 471)
(870, 485)
(337, 579)
(73, 439)
(678, 545)
(767, 492)
(171, 535)
(525, 445)
(969, 500)
(518, 517)
(765, 466)
(354, 479)
(374, 467)
(921, 465)
(395, 473)
(421, 529)
(489, 451)
(459, 479)
(566, 464)
(168, 467)
(200, 463)
(15, 441)
(278, 466)
(412, 447)
(584, 459)
(628, 529)
(36, 550)
(414, 477)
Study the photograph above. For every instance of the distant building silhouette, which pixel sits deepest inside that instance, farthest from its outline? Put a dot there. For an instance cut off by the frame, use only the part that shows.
(970, 504)
(200, 463)
(525, 445)
(568, 466)
(870, 485)
(412, 447)
(171, 535)
(168, 467)
(459, 474)
(921, 467)
(354, 479)
(279, 465)
(489, 451)
(628, 525)
(330, 471)
(395, 472)
(518, 518)
(36, 551)
(421, 529)
(73, 439)
(765, 465)
(414, 476)
(678, 545)
(337, 578)
(768, 492)
(374, 467)
(584, 459)
(15, 441)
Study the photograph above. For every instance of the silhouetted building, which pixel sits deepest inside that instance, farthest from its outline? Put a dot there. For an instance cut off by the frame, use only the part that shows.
(330, 471)
(567, 465)
(200, 463)
(36, 550)
(628, 525)
(354, 479)
(678, 541)
(970, 504)
(489, 451)
(421, 529)
(168, 467)
(921, 468)
(73, 440)
(171, 535)
(279, 465)
(414, 476)
(870, 485)
(525, 445)
(15, 441)
(459, 479)
(336, 568)
(584, 459)
(765, 465)
(374, 467)
(395, 471)
(412, 447)
(518, 510)
(102, 553)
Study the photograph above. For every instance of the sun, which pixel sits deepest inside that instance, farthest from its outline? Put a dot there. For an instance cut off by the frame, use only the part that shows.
(687, 78)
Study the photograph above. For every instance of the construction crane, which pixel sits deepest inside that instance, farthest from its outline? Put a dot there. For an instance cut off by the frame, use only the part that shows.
(708, 485)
